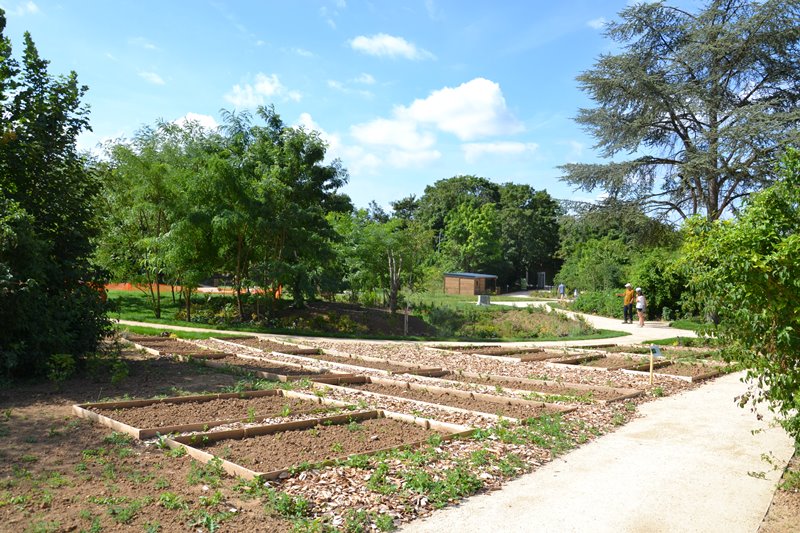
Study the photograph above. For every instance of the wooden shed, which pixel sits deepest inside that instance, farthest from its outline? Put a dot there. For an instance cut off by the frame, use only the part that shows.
(469, 283)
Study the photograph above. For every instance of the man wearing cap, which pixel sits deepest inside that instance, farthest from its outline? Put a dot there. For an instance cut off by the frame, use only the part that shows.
(628, 298)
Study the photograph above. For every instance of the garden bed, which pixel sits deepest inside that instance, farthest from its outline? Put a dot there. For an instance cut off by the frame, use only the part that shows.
(605, 363)
(143, 419)
(511, 354)
(268, 345)
(580, 392)
(272, 370)
(270, 452)
(375, 363)
(682, 371)
(168, 346)
(485, 404)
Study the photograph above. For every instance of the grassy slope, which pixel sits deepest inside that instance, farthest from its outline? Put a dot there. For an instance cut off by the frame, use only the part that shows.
(135, 306)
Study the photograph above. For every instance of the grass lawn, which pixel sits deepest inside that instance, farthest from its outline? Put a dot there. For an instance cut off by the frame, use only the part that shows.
(191, 335)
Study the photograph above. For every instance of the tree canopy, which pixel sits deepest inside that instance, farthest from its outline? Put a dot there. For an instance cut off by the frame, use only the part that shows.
(702, 101)
(49, 298)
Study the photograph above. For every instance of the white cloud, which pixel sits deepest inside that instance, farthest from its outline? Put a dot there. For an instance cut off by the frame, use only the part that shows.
(598, 23)
(142, 43)
(383, 45)
(205, 121)
(22, 9)
(255, 94)
(27, 8)
(474, 151)
(303, 52)
(402, 159)
(359, 161)
(474, 109)
(365, 78)
(152, 77)
(394, 133)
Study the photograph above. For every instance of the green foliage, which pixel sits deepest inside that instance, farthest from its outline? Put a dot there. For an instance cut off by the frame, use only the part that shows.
(49, 302)
(747, 273)
(663, 280)
(598, 264)
(60, 367)
(704, 99)
(495, 322)
(603, 303)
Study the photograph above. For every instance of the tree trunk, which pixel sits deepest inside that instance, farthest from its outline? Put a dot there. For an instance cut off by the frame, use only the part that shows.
(188, 303)
(395, 266)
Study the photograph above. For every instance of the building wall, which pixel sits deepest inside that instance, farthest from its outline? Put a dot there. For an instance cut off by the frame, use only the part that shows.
(453, 285)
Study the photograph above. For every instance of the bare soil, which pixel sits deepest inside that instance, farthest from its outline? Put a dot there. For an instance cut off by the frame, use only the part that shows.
(616, 363)
(285, 449)
(684, 369)
(784, 512)
(171, 346)
(500, 408)
(61, 473)
(358, 361)
(543, 388)
(164, 414)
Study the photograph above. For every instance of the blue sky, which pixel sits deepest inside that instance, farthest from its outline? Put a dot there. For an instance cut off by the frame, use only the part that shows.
(405, 92)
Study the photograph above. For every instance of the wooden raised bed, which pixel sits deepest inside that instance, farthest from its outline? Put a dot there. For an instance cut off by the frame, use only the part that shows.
(88, 411)
(384, 366)
(271, 345)
(272, 370)
(177, 347)
(508, 353)
(451, 399)
(679, 371)
(605, 363)
(193, 444)
(542, 386)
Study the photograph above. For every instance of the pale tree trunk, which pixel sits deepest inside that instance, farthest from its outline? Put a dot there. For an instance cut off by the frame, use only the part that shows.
(395, 266)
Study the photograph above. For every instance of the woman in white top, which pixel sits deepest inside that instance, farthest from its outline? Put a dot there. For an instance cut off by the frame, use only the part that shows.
(641, 306)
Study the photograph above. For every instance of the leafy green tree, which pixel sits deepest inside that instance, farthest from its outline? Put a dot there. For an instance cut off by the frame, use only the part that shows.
(471, 237)
(660, 273)
(300, 189)
(598, 264)
(705, 100)
(446, 195)
(142, 195)
(529, 236)
(747, 271)
(50, 293)
(617, 220)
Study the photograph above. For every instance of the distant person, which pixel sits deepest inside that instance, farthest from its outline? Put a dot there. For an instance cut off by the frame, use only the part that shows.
(641, 306)
(575, 294)
(628, 299)
(562, 291)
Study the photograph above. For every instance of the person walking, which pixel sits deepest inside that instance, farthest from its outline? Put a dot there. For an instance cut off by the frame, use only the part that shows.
(628, 299)
(562, 291)
(641, 306)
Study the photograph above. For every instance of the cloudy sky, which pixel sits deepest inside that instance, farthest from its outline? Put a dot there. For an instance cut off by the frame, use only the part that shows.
(405, 92)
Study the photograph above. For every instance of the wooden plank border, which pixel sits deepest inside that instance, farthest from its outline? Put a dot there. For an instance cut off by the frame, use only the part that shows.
(185, 442)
